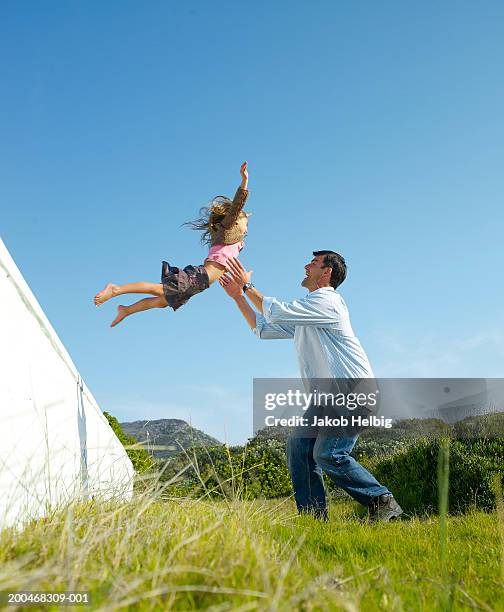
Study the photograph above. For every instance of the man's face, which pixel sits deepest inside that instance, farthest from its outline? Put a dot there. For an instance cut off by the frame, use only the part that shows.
(316, 275)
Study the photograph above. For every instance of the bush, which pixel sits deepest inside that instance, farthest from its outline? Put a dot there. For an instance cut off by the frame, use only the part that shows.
(406, 464)
(253, 470)
(197, 470)
(481, 426)
(267, 473)
(411, 474)
(380, 442)
(140, 458)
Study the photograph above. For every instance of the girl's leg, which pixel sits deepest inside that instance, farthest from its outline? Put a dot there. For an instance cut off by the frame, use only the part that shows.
(141, 305)
(111, 291)
(214, 270)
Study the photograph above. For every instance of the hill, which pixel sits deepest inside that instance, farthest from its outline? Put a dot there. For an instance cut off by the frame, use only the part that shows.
(170, 434)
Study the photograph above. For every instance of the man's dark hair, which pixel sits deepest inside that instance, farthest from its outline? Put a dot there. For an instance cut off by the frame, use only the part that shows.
(337, 263)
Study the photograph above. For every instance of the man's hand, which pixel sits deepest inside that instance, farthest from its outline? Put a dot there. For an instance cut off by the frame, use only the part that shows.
(244, 175)
(232, 282)
(238, 272)
(233, 289)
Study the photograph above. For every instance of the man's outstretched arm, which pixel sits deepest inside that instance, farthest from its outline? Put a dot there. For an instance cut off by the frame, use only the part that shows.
(235, 291)
(241, 277)
(257, 323)
(313, 310)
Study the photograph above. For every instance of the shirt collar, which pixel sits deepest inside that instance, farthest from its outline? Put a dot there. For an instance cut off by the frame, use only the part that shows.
(323, 290)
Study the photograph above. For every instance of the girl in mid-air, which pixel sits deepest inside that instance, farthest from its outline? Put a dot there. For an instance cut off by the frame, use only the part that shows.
(224, 226)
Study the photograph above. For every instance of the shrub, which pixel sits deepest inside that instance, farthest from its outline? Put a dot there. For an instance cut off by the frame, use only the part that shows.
(197, 470)
(411, 474)
(406, 464)
(253, 470)
(267, 474)
(482, 426)
(380, 442)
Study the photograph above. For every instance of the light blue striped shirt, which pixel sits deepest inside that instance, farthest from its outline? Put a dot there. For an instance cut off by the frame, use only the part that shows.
(320, 325)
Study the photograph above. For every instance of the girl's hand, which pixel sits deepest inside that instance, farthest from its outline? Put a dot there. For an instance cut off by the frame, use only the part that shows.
(244, 175)
(238, 272)
(230, 287)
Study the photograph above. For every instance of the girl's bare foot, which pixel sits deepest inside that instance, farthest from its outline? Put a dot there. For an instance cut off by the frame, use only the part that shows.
(122, 313)
(106, 294)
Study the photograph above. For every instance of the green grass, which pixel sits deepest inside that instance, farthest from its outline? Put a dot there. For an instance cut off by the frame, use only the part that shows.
(238, 555)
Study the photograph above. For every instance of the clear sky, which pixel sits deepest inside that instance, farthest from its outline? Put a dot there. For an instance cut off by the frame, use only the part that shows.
(373, 129)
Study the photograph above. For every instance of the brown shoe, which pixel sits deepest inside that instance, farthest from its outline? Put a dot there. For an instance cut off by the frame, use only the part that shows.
(384, 508)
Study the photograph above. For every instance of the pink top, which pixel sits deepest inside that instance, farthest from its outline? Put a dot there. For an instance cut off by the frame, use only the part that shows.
(220, 252)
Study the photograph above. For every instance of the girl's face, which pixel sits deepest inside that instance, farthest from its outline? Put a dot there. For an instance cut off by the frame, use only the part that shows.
(243, 223)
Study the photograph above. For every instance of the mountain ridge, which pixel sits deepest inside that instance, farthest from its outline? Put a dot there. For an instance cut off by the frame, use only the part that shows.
(171, 434)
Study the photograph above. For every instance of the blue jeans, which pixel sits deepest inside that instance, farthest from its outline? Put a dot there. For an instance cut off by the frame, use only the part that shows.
(308, 457)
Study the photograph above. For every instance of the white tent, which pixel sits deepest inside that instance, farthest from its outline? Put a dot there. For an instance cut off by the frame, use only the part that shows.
(55, 443)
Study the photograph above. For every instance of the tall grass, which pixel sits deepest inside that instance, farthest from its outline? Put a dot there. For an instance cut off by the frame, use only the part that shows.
(443, 486)
(179, 554)
(443, 483)
(500, 514)
(161, 553)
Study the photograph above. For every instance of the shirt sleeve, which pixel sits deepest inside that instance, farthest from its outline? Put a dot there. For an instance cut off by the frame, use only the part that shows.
(315, 310)
(236, 207)
(270, 331)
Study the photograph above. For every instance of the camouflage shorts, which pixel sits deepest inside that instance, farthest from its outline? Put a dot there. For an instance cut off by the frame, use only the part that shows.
(180, 285)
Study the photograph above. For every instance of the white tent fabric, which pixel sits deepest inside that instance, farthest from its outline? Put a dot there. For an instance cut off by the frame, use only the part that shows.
(55, 443)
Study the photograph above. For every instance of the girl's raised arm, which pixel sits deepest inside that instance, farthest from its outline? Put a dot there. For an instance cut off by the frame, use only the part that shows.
(244, 175)
(239, 199)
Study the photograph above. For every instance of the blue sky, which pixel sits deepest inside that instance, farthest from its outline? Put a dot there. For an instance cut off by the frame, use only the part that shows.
(373, 129)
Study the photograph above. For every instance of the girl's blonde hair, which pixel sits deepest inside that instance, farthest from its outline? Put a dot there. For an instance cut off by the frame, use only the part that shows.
(211, 217)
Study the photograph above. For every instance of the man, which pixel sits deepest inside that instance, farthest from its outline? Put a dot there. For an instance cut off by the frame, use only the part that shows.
(327, 348)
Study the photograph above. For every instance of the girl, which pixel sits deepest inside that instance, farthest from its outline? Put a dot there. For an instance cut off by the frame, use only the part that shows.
(224, 225)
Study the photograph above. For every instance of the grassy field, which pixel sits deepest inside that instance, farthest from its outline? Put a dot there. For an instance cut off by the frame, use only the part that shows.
(238, 555)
